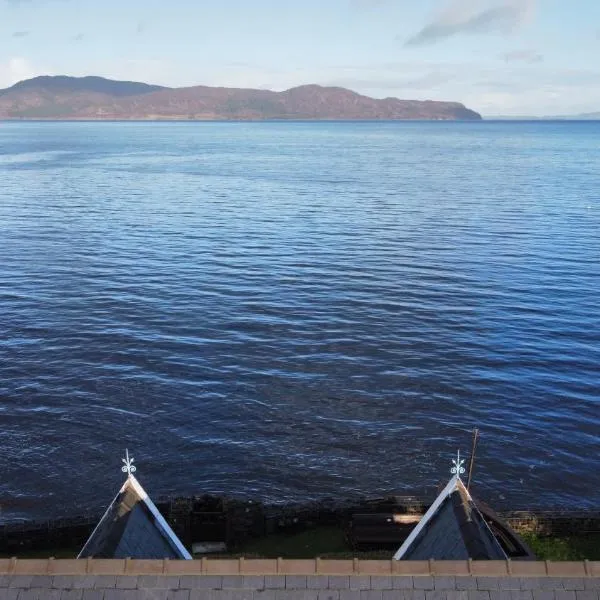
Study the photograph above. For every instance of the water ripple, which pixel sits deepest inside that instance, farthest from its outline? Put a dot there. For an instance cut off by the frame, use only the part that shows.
(292, 311)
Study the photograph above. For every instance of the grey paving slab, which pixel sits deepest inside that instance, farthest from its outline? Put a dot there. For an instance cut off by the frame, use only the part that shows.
(551, 583)
(41, 581)
(275, 582)
(29, 594)
(63, 582)
(371, 594)
(360, 582)
(521, 594)
(127, 582)
(93, 594)
(127, 594)
(71, 594)
(381, 582)
(206, 594)
(349, 594)
(592, 583)
(74, 581)
(328, 595)
(479, 595)
(301, 594)
(233, 582)
(488, 583)
(264, 595)
(253, 582)
(151, 594)
(231, 594)
(565, 595)
(4, 579)
(190, 582)
(500, 594)
(411, 594)
(573, 583)
(317, 582)
(202, 582)
(423, 583)
(178, 595)
(543, 595)
(105, 581)
(160, 582)
(466, 583)
(457, 595)
(20, 581)
(202, 594)
(587, 594)
(447, 582)
(401, 582)
(435, 595)
(295, 582)
(338, 582)
(531, 583)
(405, 594)
(509, 583)
(296, 594)
(9, 593)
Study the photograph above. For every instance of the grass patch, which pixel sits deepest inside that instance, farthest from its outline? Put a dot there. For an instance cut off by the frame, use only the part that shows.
(581, 547)
(325, 542)
(57, 553)
(304, 544)
(329, 542)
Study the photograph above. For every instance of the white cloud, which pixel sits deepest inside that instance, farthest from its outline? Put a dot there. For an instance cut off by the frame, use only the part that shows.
(511, 88)
(527, 56)
(148, 70)
(17, 69)
(474, 16)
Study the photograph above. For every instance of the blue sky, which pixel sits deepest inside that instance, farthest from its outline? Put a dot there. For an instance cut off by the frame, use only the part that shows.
(500, 57)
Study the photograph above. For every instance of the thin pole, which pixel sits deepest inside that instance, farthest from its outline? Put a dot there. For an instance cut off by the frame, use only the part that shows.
(472, 461)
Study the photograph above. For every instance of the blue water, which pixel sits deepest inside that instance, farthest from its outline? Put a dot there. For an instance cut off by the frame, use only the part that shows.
(290, 311)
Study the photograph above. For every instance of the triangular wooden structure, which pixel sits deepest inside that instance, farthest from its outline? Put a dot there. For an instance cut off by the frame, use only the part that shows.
(452, 529)
(132, 527)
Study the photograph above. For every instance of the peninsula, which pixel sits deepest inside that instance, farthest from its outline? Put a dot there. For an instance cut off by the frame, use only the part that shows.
(96, 98)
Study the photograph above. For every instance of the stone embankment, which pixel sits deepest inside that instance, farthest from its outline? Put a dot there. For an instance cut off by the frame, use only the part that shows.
(277, 579)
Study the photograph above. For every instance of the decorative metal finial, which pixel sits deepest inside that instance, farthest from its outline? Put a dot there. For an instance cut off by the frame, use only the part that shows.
(129, 467)
(458, 468)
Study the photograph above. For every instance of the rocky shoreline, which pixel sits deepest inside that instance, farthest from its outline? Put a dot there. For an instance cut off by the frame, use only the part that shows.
(234, 521)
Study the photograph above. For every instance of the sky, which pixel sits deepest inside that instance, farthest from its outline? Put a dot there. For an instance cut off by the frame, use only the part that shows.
(499, 57)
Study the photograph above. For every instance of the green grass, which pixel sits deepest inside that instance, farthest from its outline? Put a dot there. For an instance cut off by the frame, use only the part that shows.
(329, 542)
(57, 553)
(565, 548)
(305, 544)
(325, 542)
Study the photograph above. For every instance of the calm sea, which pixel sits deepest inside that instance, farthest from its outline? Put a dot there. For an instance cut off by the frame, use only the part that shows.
(290, 311)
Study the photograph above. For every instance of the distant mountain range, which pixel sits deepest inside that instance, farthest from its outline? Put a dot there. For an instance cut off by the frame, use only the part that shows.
(74, 98)
(594, 116)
